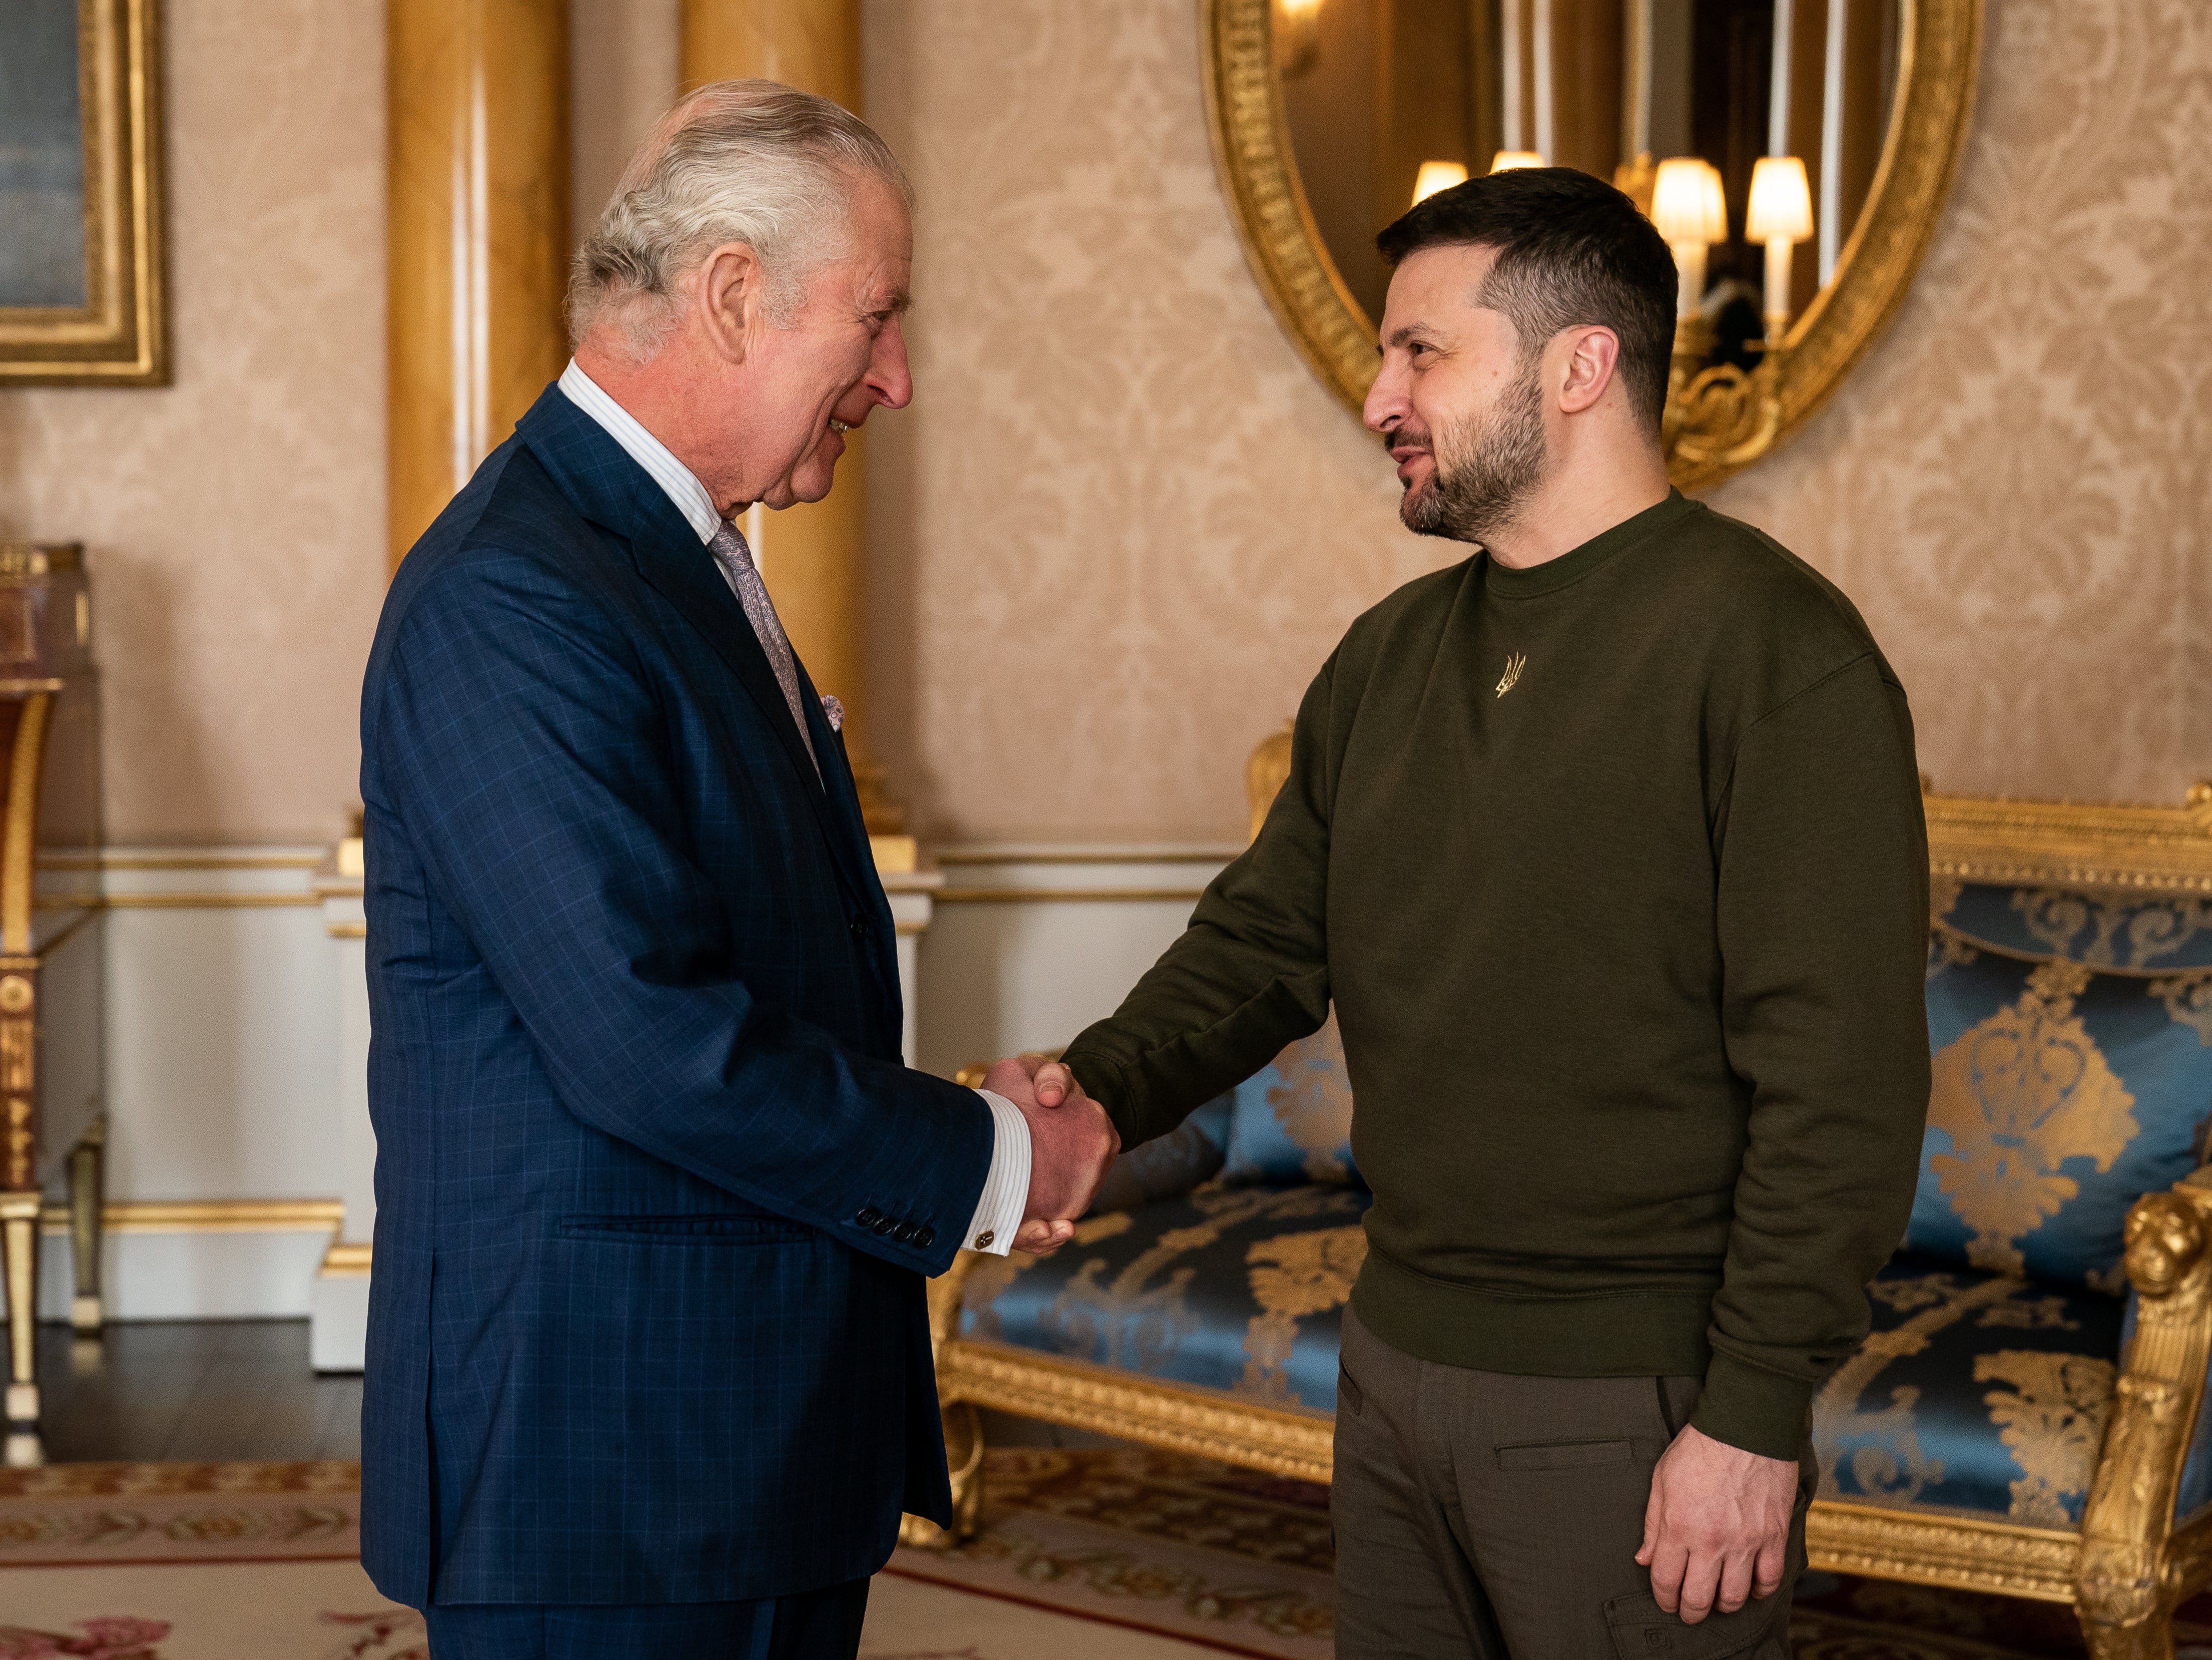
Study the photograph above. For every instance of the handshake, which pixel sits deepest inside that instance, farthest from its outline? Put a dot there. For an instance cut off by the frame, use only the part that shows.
(1072, 1144)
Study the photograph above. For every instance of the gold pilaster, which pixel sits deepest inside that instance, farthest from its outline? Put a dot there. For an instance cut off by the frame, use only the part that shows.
(476, 209)
(812, 554)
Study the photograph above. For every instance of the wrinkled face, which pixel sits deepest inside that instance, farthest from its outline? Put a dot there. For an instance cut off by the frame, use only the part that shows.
(843, 353)
(1458, 400)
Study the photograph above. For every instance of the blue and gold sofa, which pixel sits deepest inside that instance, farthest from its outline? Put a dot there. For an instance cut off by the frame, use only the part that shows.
(2023, 1418)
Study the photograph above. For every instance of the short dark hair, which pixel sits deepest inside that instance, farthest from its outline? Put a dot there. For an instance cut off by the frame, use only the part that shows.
(1571, 250)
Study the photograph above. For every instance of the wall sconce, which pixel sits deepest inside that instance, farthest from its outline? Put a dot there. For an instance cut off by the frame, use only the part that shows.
(1436, 176)
(1780, 214)
(1733, 416)
(1297, 35)
(1690, 208)
(1506, 161)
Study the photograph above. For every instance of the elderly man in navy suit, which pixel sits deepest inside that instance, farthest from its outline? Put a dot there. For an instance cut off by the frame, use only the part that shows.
(648, 1360)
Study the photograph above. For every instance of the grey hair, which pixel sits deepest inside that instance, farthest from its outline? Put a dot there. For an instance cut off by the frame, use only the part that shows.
(749, 161)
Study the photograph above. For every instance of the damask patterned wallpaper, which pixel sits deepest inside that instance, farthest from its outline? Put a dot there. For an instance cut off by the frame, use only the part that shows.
(1121, 526)
(233, 522)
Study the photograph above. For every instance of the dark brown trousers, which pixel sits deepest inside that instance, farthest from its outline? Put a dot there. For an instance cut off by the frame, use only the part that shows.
(1489, 1516)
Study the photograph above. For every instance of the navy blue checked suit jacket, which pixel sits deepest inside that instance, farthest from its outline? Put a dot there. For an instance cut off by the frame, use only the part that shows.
(656, 1198)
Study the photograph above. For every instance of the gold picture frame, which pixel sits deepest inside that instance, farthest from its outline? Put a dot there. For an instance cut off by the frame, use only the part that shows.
(1717, 423)
(115, 332)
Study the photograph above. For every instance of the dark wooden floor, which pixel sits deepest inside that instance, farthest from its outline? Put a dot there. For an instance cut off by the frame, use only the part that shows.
(222, 1390)
(198, 1389)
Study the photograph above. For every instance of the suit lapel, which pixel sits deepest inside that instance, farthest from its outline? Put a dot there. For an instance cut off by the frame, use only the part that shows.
(844, 793)
(610, 490)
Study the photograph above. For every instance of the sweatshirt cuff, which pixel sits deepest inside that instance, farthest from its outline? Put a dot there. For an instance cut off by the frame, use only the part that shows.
(1101, 1080)
(1758, 1410)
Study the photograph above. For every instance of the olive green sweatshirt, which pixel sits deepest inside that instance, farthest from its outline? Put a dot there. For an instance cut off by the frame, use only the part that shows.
(1616, 872)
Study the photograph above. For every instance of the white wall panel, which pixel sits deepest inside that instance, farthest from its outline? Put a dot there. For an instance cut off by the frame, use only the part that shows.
(235, 1035)
(1030, 944)
(222, 1027)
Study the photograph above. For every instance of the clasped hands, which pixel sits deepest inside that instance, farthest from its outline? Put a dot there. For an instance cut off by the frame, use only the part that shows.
(1071, 1143)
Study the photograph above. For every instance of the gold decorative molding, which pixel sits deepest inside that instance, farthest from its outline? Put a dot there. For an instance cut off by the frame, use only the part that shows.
(1939, 58)
(1959, 1553)
(120, 336)
(1196, 1421)
(208, 1216)
(173, 901)
(184, 858)
(1021, 853)
(2072, 844)
(346, 1260)
(359, 930)
(207, 901)
(1252, 154)
(1017, 895)
(2125, 1583)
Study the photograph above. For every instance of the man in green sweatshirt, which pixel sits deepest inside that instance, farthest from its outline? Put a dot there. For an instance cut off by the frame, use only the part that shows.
(1607, 844)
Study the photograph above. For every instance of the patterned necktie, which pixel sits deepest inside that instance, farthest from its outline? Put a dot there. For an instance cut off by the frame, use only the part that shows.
(736, 560)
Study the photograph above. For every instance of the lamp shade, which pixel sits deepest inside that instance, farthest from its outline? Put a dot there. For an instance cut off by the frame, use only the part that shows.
(1688, 202)
(1506, 161)
(1435, 176)
(1781, 200)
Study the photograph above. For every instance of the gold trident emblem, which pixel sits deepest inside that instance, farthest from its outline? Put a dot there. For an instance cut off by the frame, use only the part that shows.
(1511, 678)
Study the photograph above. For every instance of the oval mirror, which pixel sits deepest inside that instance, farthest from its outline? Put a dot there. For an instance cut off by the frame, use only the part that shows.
(1795, 153)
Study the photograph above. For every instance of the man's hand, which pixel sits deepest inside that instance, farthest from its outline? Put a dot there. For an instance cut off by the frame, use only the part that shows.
(1072, 1142)
(1717, 1530)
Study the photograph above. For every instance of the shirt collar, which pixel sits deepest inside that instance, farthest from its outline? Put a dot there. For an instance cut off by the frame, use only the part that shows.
(677, 481)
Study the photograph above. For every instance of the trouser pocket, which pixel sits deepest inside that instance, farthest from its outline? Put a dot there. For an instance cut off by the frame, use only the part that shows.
(1642, 1630)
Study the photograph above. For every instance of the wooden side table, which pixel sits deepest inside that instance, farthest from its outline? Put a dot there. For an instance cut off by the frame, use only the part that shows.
(52, 1125)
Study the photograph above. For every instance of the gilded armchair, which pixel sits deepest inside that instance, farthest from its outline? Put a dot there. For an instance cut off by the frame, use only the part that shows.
(2024, 1418)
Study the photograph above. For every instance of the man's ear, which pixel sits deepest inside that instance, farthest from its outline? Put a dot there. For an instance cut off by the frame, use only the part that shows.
(730, 295)
(1593, 354)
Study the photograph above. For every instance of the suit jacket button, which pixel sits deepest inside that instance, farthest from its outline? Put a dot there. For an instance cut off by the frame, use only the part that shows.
(885, 1223)
(904, 1232)
(859, 928)
(868, 1216)
(925, 1239)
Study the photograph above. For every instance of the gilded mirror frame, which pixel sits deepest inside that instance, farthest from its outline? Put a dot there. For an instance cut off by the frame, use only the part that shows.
(1725, 420)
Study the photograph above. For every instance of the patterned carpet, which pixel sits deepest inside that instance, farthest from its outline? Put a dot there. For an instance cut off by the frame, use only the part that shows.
(1129, 1554)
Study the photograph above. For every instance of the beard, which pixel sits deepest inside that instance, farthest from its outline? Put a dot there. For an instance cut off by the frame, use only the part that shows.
(1484, 474)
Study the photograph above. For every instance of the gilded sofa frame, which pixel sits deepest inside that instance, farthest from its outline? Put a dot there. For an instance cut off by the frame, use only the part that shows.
(2124, 1570)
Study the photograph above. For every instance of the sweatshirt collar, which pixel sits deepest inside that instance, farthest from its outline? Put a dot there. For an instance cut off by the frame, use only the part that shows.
(1571, 567)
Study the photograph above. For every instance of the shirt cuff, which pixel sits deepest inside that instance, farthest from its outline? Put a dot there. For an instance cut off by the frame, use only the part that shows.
(1007, 1188)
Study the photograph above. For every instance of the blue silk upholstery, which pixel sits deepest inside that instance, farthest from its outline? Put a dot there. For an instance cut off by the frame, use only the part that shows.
(1291, 1120)
(1985, 1395)
(2147, 935)
(1239, 1289)
(2065, 1088)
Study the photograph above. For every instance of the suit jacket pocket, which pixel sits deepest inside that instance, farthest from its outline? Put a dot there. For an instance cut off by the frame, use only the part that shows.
(686, 1230)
